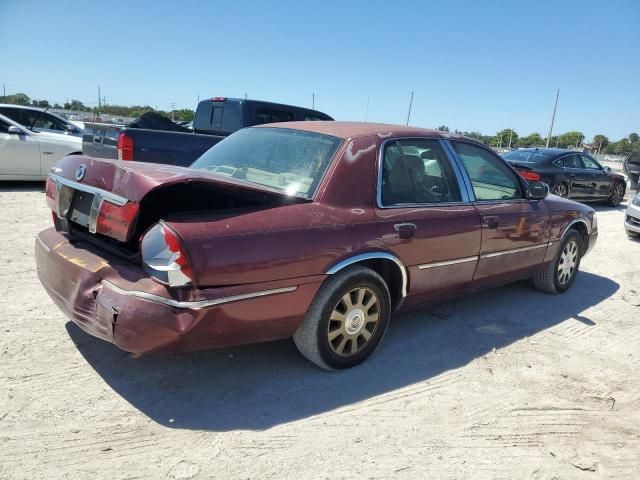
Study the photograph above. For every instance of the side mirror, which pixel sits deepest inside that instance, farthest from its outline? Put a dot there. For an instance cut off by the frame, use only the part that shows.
(607, 168)
(537, 190)
(14, 130)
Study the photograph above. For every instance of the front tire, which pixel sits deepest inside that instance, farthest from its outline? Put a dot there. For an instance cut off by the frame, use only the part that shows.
(617, 195)
(559, 274)
(347, 320)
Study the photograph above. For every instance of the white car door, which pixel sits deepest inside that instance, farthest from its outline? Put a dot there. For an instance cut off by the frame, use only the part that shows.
(19, 155)
(54, 147)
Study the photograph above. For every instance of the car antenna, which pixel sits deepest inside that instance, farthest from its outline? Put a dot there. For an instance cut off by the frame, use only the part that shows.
(38, 118)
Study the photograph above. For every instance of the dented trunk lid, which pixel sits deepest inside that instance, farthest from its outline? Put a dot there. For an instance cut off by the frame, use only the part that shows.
(85, 184)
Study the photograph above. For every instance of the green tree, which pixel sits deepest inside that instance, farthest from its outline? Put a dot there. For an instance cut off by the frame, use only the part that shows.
(570, 139)
(531, 140)
(506, 136)
(18, 99)
(443, 128)
(634, 138)
(600, 141)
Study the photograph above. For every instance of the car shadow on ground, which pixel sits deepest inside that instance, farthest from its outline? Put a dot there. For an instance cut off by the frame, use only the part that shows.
(10, 186)
(259, 386)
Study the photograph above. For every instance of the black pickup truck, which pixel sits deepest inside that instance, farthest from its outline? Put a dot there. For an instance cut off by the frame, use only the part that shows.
(158, 140)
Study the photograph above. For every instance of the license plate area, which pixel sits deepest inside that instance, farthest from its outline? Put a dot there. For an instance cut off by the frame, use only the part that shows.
(80, 209)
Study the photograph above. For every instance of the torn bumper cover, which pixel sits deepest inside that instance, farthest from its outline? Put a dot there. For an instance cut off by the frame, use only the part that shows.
(116, 301)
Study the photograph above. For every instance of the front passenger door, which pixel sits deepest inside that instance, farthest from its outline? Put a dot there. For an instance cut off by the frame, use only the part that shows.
(514, 228)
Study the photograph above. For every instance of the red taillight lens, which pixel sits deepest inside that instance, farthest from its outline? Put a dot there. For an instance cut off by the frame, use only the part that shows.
(529, 175)
(164, 257)
(50, 193)
(125, 147)
(116, 221)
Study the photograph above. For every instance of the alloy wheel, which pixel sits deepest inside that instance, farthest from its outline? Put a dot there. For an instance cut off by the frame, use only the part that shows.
(568, 262)
(353, 321)
(618, 195)
(560, 190)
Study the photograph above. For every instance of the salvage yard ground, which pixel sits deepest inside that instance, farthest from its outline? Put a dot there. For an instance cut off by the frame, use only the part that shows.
(511, 383)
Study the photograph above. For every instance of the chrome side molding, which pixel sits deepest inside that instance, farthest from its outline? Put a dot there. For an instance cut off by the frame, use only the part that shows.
(196, 304)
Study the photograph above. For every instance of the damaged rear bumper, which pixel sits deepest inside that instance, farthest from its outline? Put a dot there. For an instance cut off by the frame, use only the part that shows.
(117, 302)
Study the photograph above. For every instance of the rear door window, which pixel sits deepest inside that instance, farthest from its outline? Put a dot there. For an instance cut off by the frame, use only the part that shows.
(572, 161)
(417, 171)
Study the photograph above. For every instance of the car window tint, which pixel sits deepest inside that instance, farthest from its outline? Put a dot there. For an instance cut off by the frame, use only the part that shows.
(312, 118)
(264, 115)
(490, 177)
(417, 171)
(12, 113)
(589, 163)
(572, 161)
(4, 126)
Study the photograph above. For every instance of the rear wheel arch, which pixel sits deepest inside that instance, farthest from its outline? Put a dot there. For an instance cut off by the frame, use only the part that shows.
(388, 266)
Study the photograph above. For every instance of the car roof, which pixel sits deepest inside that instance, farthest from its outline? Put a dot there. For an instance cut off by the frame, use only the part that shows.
(547, 151)
(25, 107)
(362, 129)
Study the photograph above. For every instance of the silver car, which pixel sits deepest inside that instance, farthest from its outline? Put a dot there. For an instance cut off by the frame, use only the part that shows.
(632, 217)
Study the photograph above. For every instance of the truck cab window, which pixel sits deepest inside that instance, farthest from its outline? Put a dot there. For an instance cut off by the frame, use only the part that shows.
(264, 115)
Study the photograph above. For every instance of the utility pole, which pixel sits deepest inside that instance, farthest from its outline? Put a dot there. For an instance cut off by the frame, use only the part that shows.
(198, 100)
(99, 101)
(510, 136)
(410, 104)
(173, 111)
(313, 101)
(553, 118)
(4, 92)
(366, 112)
(599, 146)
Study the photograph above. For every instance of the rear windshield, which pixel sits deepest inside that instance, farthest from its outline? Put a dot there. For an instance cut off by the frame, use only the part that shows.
(293, 161)
(223, 117)
(525, 156)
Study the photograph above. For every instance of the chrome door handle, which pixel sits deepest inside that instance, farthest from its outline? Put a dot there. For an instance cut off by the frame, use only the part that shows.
(405, 230)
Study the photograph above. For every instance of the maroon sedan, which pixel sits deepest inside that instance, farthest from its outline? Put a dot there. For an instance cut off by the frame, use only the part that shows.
(316, 230)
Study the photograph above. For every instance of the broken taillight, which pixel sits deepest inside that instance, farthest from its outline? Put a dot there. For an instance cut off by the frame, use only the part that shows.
(50, 193)
(125, 147)
(164, 257)
(115, 221)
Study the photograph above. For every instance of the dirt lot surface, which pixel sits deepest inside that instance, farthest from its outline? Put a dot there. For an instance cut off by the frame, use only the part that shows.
(511, 383)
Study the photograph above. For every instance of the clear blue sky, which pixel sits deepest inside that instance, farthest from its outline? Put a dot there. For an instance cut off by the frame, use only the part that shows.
(474, 65)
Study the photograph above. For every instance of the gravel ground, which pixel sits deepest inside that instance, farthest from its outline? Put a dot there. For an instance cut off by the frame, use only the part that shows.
(511, 383)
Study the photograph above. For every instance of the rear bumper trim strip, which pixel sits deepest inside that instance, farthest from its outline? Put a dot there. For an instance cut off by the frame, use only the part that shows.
(109, 196)
(197, 304)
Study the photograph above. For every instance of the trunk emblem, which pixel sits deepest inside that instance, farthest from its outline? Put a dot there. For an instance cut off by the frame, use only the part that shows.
(81, 171)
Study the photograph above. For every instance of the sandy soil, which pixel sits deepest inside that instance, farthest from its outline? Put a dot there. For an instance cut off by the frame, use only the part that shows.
(508, 384)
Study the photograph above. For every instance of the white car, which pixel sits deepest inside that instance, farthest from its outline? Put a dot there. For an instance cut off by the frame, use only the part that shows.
(41, 120)
(632, 217)
(27, 155)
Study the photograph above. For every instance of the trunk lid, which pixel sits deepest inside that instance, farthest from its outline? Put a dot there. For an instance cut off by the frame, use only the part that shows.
(134, 195)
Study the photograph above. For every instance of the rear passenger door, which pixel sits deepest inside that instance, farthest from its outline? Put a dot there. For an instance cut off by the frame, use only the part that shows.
(425, 217)
(580, 181)
(598, 177)
(514, 228)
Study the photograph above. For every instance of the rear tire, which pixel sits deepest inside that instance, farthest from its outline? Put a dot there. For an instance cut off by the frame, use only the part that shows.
(559, 274)
(561, 189)
(347, 320)
(617, 195)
